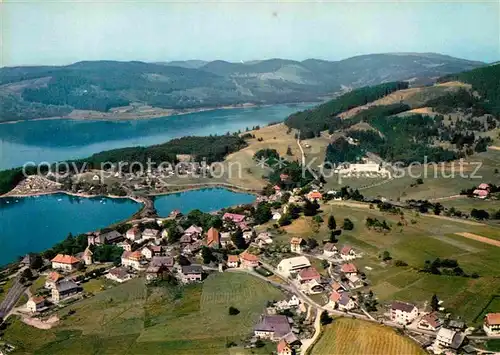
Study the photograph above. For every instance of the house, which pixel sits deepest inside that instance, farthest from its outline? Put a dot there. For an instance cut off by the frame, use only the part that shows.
(64, 289)
(225, 239)
(308, 274)
(430, 321)
(119, 274)
(329, 250)
(98, 238)
(314, 195)
(447, 338)
(263, 240)
(150, 251)
(249, 260)
(276, 188)
(349, 269)
(341, 300)
(484, 186)
(248, 236)
(65, 262)
(52, 279)
(133, 259)
(272, 327)
(457, 325)
(336, 286)
(403, 313)
(491, 324)
(293, 302)
(283, 348)
(276, 216)
(284, 177)
(166, 261)
(347, 253)
(154, 272)
(193, 247)
(236, 218)
(213, 238)
(193, 231)
(296, 245)
(126, 245)
(290, 266)
(355, 281)
(133, 234)
(36, 304)
(87, 256)
(150, 233)
(232, 261)
(480, 193)
(186, 239)
(191, 273)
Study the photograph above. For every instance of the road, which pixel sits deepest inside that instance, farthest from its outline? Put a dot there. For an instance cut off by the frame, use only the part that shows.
(11, 298)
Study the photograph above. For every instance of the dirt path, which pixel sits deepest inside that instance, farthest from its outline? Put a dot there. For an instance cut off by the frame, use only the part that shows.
(459, 220)
(479, 238)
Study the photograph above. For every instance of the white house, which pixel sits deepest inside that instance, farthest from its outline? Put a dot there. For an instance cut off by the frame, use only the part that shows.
(430, 321)
(276, 216)
(150, 233)
(65, 262)
(290, 266)
(447, 339)
(329, 250)
(341, 300)
(36, 304)
(119, 274)
(403, 313)
(133, 234)
(491, 324)
(132, 259)
(232, 261)
(296, 245)
(347, 253)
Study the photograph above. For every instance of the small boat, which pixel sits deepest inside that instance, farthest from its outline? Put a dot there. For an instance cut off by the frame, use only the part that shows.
(59, 199)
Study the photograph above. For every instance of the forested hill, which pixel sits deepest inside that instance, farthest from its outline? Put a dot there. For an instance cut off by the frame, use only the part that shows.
(486, 82)
(45, 91)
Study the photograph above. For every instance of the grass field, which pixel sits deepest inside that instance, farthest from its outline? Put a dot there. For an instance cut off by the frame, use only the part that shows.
(133, 319)
(425, 239)
(351, 337)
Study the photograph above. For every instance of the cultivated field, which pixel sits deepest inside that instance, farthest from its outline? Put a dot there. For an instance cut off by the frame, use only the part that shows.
(351, 337)
(133, 319)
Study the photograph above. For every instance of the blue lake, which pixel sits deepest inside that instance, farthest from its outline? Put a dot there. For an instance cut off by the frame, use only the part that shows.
(57, 140)
(34, 224)
(206, 200)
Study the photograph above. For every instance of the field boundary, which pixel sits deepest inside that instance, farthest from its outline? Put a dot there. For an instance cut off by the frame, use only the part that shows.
(493, 297)
(479, 238)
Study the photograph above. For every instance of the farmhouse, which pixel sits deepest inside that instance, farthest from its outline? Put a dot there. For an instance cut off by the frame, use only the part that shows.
(232, 261)
(447, 338)
(283, 348)
(149, 251)
(213, 238)
(36, 304)
(347, 253)
(193, 231)
(272, 327)
(193, 247)
(349, 269)
(52, 279)
(293, 265)
(296, 245)
(403, 313)
(430, 321)
(482, 194)
(167, 261)
(119, 274)
(491, 324)
(64, 289)
(191, 273)
(65, 262)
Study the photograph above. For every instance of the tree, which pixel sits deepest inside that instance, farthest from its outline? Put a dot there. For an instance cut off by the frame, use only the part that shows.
(438, 208)
(312, 243)
(332, 224)
(386, 256)
(479, 214)
(434, 303)
(262, 213)
(36, 262)
(289, 151)
(310, 208)
(27, 274)
(325, 318)
(238, 240)
(233, 311)
(347, 225)
(183, 261)
(207, 255)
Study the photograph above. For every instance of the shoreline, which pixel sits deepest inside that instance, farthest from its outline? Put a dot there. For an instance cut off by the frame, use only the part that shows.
(132, 117)
(74, 194)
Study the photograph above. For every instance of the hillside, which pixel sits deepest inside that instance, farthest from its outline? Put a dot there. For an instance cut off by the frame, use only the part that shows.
(47, 91)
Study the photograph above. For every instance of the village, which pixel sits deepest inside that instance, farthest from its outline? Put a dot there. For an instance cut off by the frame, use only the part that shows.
(321, 280)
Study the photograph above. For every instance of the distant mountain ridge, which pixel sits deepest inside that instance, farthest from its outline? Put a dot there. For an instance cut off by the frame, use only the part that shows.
(45, 91)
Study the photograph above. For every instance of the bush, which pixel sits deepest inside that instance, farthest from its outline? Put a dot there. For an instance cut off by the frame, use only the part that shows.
(233, 311)
(348, 225)
(400, 263)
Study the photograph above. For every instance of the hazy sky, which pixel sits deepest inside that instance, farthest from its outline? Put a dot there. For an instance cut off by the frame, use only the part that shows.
(57, 32)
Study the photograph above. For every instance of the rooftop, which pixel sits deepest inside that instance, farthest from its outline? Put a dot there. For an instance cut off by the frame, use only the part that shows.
(402, 306)
(65, 259)
(276, 323)
(492, 318)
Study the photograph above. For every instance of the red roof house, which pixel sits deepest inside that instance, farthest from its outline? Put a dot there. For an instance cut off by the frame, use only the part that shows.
(236, 218)
(349, 268)
(308, 274)
(213, 238)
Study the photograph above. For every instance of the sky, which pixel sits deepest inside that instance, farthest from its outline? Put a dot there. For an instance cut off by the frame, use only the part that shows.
(62, 32)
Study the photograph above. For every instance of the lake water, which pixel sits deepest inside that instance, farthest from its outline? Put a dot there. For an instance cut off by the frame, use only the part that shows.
(205, 200)
(57, 140)
(33, 224)
(37, 223)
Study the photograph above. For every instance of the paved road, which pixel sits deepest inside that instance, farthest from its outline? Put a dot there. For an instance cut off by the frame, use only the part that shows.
(11, 298)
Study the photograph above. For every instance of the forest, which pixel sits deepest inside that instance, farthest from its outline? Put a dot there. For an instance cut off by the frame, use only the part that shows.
(323, 117)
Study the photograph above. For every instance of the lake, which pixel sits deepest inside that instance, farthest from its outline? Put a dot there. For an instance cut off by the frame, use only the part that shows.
(33, 224)
(206, 200)
(62, 139)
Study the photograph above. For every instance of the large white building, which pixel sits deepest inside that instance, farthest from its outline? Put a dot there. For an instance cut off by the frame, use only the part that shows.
(403, 313)
(291, 266)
